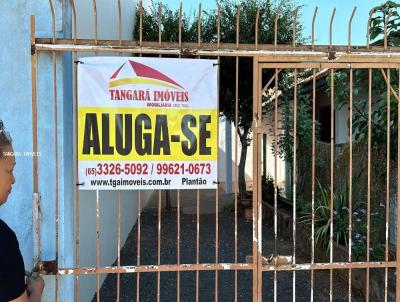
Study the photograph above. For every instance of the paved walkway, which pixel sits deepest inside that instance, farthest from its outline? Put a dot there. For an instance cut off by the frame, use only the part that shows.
(168, 292)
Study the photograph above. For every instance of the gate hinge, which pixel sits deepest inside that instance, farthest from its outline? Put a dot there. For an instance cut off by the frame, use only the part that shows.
(46, 267)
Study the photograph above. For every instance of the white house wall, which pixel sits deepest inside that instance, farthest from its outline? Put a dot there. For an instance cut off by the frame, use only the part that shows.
(270, 157)
(16, 111)
(227, 163)
(227, 160)
(341, 125)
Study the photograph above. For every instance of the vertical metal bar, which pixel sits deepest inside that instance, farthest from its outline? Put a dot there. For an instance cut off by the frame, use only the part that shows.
(199, 27)
(385, 30)
(197, 240)
(331, 177)
(350, 176)
(387, 181)
(398, 198)
(95, 22)
(159, 191)
(387, 160)
(119, 23)
(349, 30)
(275, 183)
(178, 260)
(140, 23)
(369, 180)
(119, 192)
(159, 244)
(119, 245)
(55, 136)
(219, 25)
(34, 120)
(97, 245)
(75, 101)
(294, 179)
(258, 184)
(236, 124)
(56, 171)
(36, 223)
(372, 11)
(53, 23)
(313, 28)
(139, 210)
(178, 197)
(330, 28)
(255, 237)
(294, 27)
(256, 27)
(216, 234)
(236, 191)
(180, 26)
(313, 188)
(255, 259)
(198, 198)
(159, 24)
(216, 190)
(276, 27)
(34, 104)
(331, 163)
(237, 26)
(74, 21)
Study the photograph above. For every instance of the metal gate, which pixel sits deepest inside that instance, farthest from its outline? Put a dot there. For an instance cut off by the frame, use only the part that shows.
(295, 58)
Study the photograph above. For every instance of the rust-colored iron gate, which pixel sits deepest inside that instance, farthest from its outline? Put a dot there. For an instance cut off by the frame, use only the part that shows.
(295, 59)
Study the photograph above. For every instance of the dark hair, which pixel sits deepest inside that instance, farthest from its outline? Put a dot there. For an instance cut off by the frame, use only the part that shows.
(5, 138)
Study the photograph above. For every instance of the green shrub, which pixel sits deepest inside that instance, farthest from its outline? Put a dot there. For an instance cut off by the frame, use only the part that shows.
(268, 188)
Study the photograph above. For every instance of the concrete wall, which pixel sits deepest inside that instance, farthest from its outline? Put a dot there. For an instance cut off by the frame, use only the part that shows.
(16, 104)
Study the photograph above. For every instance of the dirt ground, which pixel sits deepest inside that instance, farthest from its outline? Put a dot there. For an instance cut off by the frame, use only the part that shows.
(168, 280)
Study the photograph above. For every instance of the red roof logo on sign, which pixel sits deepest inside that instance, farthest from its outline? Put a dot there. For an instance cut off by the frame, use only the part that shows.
(142, 75)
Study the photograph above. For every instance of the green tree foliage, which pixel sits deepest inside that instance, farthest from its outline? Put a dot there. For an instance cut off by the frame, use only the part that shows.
(285, 137)
(248, 8)
(376, 30)
(379, 106)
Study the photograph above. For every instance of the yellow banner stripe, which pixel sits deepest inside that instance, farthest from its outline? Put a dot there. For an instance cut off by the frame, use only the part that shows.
(165, 127)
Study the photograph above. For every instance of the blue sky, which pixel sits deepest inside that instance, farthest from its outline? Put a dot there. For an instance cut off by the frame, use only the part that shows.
(325, 8)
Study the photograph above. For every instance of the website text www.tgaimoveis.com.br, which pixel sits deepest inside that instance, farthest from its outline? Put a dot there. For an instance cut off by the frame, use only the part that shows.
(145, 182)
(129, 182)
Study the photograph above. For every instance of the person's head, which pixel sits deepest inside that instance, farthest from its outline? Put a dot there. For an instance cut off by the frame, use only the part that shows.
(7, 163)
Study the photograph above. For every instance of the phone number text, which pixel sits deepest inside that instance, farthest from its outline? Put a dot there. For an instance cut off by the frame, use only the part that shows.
(149, 169)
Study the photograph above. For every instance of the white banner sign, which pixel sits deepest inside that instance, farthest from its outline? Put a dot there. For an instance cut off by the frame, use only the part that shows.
(147, 123)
